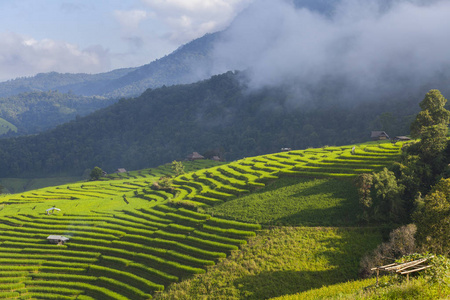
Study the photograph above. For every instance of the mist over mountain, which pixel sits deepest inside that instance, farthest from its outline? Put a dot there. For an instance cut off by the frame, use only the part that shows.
(373, 49)
(218, 115)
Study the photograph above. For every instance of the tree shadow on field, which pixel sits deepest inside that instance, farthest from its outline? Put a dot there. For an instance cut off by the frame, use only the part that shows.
(342, 265)
(336, 204)
(268, 285)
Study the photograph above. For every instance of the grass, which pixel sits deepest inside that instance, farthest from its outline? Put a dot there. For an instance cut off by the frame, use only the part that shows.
(366, 289)
(112, 255)
(128, 240)
(279, 261)
(19, 185)
(296, 201)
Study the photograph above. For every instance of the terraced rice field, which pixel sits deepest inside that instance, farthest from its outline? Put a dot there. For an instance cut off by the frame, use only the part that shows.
(128, 254)
(128, 241)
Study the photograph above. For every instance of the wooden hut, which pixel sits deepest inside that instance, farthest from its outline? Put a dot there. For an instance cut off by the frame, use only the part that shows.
(57, 239)
(194, 156)
(51, 210)
(216, 158)
(379, 135)
(402, 138)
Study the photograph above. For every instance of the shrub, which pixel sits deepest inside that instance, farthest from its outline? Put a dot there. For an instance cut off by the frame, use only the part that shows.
(401, 242)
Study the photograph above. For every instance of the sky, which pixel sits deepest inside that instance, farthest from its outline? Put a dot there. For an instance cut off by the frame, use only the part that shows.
(92, 36)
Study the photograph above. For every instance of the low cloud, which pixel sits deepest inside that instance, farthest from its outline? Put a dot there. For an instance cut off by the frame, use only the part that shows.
(25, 56)
(130, 19)
(370, 45)
(187, 20)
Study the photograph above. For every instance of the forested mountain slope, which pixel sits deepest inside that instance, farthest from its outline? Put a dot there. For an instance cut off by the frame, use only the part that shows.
(33, 112)
(216, 114)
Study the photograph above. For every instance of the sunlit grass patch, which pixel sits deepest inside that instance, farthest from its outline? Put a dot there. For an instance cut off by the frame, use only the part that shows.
(296, 201)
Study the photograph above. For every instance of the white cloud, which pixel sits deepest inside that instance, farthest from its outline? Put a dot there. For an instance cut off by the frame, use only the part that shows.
(187, 20)
(25, 56)
(371, 47)
(130, 19)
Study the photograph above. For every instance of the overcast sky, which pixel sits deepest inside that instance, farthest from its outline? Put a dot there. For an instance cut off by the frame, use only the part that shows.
(94, 36)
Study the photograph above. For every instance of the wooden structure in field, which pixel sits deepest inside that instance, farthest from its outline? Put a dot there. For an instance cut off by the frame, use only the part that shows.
(194, 156)
(379, 135)
(57, 239)
(404, 268)
(51, 210)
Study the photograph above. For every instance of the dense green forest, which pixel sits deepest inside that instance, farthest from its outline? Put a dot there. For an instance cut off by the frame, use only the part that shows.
(33, 112)
(220, 114)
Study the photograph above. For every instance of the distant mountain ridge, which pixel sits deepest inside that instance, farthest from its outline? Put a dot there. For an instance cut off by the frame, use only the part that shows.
(34, 112)
(189, 63)
(218, 114)
(175, 68)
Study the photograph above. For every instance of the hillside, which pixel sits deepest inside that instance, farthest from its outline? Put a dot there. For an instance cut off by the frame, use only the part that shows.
(128, 240)
(6, 127)
(181, 66)
(219, 114)
(33, 112)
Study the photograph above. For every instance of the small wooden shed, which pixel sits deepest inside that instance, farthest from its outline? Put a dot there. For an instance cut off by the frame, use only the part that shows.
(194, 156)
(404, 268)
(51, 210)
(379, 135)
(402, 138)
(121, 170)
(57, 239)
(216, 158)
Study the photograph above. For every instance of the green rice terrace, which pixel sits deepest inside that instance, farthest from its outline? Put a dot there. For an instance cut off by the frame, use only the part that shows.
(131, 241)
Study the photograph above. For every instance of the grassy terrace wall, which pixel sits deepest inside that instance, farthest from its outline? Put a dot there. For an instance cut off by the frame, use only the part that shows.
(123, 255)
(128, 241)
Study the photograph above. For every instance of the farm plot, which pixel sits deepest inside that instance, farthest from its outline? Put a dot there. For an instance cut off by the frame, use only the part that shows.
(123, 255)
(216, 185)
(128, 241)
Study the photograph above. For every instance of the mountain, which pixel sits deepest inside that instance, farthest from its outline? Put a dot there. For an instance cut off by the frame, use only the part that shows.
(189, 63)
(178, 67)
(33, 112)
(38, 103)
(216, 115)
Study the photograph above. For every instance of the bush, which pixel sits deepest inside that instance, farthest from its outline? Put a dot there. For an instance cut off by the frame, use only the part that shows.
(401, 242)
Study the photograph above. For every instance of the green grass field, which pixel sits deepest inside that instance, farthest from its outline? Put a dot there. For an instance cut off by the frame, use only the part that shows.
(296, 201)
(129, 241)
(279, 261)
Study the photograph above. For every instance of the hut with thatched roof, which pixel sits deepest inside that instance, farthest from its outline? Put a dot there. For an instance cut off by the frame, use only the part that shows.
(194, 156)
(379, 135)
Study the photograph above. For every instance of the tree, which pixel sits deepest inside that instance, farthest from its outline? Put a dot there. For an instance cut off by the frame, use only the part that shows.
(388, 202)
(364, 184)
(178, 167)
(431, 124)
(96, 173)
(401, 242)
(432, 218)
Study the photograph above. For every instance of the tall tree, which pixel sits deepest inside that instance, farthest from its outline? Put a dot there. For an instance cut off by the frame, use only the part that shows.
(364, 183)
(96, 173)
(431, 124)
(388, 203)
(433, 219)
